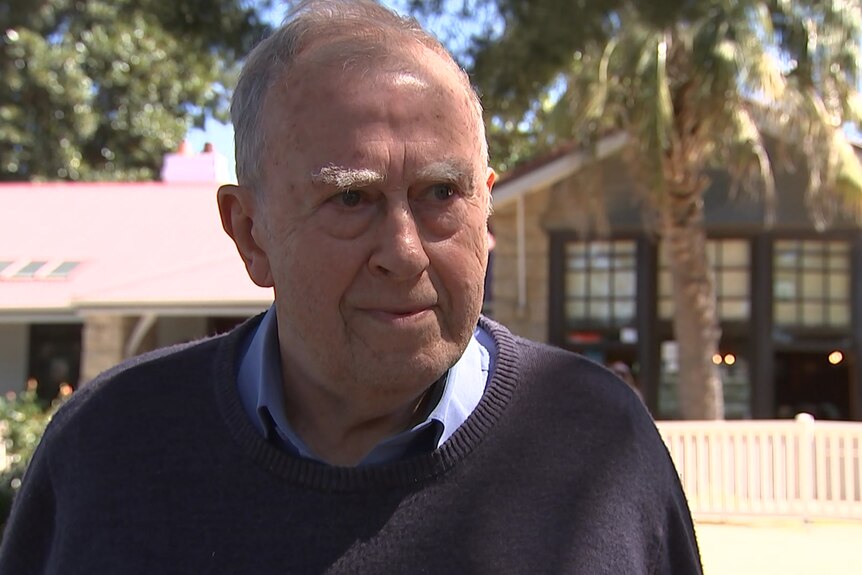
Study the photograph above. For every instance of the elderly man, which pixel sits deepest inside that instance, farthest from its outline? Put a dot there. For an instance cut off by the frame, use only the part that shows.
(370, 421)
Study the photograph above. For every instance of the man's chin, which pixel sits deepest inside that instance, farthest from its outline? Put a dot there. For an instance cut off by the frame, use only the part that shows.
(422, 363)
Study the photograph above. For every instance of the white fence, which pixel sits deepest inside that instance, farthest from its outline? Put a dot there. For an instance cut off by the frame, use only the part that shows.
(802, 468)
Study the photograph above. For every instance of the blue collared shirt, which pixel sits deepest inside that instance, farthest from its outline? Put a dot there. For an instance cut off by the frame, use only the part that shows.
(260, 388)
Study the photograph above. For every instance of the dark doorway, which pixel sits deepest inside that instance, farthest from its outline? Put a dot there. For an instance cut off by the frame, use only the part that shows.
(55, 357)
(808, 382)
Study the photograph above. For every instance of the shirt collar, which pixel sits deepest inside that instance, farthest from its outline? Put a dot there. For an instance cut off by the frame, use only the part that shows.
(259, 383)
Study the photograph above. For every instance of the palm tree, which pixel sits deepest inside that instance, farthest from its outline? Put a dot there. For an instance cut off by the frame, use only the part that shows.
(696, 85)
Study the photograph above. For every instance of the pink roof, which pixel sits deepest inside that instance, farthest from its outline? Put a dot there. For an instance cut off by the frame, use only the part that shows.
(141, 246)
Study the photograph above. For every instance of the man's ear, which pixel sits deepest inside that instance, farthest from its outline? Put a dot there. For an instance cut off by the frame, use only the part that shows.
(237, 206)
(492, 177)
(489, 183)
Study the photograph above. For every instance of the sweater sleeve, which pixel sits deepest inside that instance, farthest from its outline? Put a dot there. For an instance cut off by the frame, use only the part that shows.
(29, 533)
(679, 553)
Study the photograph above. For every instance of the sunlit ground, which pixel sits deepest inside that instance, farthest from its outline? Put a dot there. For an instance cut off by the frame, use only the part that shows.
(786, 547)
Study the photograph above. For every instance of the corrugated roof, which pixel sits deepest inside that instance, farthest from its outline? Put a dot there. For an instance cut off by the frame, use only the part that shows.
(140, 245)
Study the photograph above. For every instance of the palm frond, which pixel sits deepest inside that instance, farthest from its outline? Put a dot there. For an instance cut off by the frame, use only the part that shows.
(848, 178)
(747, 160)
(853, 108)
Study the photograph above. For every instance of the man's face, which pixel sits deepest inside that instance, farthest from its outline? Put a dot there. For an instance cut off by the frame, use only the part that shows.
(374, 211)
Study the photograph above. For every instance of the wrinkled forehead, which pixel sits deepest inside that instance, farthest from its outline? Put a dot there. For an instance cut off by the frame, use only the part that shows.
(334, 70)
(321, 104)
(407, 63)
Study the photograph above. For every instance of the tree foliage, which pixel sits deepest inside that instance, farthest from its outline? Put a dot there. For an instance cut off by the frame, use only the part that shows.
(693, 85)
(23, 418)
(101, 89)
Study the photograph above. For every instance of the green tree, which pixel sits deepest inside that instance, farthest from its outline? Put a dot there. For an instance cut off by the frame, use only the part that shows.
(23, 418)
(101, 89)
(694, 85)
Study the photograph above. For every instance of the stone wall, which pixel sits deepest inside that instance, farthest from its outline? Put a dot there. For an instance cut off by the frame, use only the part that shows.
(104, 343)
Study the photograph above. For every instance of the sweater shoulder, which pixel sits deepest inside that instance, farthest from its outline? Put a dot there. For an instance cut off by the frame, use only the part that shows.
(155, 369)
(159, 381)
(567, 374)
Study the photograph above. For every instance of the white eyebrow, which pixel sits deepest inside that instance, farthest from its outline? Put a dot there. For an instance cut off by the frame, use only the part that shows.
(346, 178)
(448, 171)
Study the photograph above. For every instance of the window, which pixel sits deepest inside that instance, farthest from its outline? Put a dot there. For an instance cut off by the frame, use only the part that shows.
(38, 269)
(730, 261)
(29, 269)
(600, 283)
(811, 286)
(735, 372)
(63, 270)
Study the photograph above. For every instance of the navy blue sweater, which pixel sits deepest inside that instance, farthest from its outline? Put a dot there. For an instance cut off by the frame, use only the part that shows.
(155, 468)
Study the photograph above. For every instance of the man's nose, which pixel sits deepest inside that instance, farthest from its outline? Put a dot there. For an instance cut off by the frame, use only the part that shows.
(399, 253)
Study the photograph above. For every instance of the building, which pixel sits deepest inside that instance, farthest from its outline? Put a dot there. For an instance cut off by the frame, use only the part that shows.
(577, 269)
(92, 273)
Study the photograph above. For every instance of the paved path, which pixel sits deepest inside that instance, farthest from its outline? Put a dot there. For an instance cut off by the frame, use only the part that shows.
(785, 547)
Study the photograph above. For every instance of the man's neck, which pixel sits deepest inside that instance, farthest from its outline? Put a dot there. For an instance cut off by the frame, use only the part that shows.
(342, 432)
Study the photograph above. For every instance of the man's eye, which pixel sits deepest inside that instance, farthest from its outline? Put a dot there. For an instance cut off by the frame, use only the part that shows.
(442, 191)
(349, 198)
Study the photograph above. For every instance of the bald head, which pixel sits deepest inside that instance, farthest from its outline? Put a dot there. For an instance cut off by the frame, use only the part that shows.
(358, 35)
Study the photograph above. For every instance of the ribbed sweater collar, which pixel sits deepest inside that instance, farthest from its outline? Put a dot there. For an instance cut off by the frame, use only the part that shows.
(498, 394)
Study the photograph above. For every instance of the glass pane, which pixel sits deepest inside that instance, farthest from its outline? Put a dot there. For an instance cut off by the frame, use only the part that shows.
(712, 249)
(624, 261)
(576, 309)
(665, 308)
(600, 261)
(839, 287)
(786, 256)
(733, 283)
(63, 270)
(734, 253)
(733, 309)
(30, 269)
(664, 285)
(812, 313)
(737, 389)
(624, 311)
(576, 284)
(812, 285)
(600, 283)
(839, 314)
(838, 262)
(785, 285)
(785, 313)
(576, 249)
(663, 259)
(668, 401)
(837, 247)
(599, 310)
(625, 247)
(599, 249)
(577, 263)
(624, 284)
(812, 259)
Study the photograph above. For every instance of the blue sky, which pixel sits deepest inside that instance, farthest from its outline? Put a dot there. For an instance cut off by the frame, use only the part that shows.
(221, 135)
